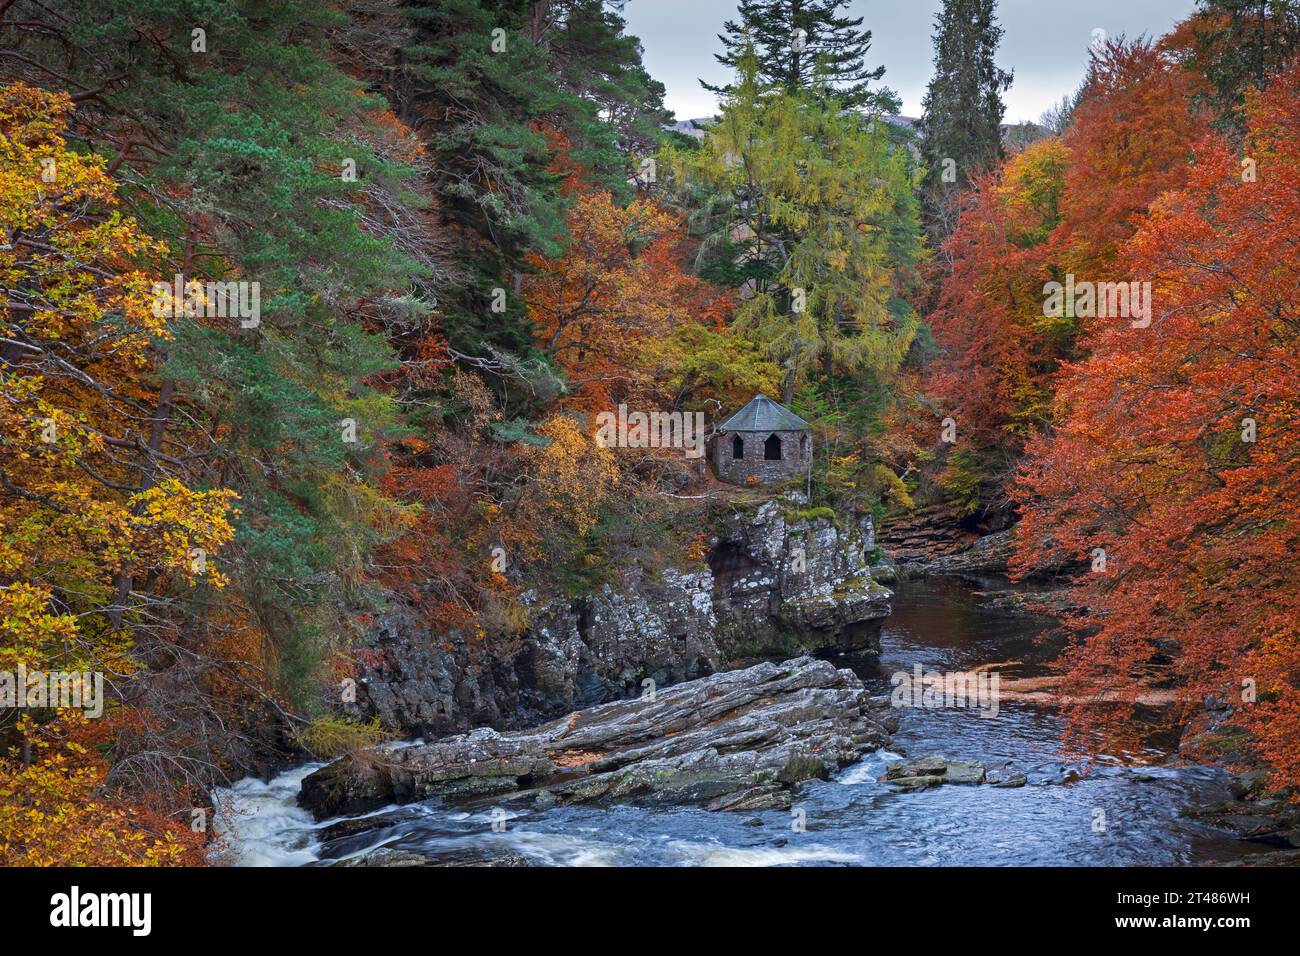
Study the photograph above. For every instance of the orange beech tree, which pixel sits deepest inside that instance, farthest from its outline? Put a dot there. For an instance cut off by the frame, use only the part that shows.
(1061, 206)
(1178, 457)
(999, 353)
(1130, 140)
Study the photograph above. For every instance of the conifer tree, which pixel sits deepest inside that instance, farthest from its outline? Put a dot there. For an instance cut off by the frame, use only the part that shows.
(817, 226)
(801, 44)
(963, 104)
(1239, 44)
(490, 85)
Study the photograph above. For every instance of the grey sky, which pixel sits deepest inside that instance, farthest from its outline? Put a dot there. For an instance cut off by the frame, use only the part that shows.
(1046, 43)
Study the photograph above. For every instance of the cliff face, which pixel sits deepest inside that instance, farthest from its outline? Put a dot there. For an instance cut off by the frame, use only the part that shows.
(779, 583)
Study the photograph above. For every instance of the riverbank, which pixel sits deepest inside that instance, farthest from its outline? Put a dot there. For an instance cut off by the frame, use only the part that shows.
(1121, 810)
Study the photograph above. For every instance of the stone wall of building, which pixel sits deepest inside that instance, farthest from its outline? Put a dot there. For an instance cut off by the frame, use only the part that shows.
(795, 456)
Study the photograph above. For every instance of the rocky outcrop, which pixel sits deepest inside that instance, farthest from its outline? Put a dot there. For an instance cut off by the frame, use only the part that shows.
(926, 535)
(934, 770)
(739, 740)
(788, 581)
(778, 582)
(939, 539)
(1255, 813)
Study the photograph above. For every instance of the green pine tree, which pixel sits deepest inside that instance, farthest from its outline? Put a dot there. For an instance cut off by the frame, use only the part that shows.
(1240, 44)
(487, 82)
(963, 105)
(802, 44)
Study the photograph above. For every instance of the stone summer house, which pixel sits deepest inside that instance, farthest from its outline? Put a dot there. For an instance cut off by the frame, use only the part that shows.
(764, 441)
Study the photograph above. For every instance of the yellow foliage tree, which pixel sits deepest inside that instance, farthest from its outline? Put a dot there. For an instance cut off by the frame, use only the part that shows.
(572, 474)
(87, 497)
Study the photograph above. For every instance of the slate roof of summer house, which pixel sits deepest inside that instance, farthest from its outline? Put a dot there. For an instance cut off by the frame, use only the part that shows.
(761, 414)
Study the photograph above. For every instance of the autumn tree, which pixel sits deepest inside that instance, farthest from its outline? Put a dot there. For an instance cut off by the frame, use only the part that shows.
(80, 324)
(1173, 468)
(1040, 218)
(817, 227)
(1129, 140)
(612, 309)
(998, 352)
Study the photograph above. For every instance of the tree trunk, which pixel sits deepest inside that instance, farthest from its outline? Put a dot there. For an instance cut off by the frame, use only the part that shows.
(149, 467)
(537, 20)
(148, 474)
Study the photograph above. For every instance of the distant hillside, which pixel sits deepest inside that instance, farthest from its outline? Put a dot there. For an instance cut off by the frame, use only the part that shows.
(1017, 135)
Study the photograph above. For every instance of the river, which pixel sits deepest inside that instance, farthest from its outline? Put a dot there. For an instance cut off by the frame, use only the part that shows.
(1123, 810)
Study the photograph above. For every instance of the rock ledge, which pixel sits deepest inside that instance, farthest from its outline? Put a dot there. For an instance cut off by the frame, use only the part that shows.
(737, 740)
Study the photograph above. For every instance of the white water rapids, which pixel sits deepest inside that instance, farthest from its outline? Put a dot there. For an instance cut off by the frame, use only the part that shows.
(852, 819)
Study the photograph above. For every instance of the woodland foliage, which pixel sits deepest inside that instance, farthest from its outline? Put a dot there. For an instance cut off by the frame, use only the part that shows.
(1175, 451)
(1156, 462)
(472, 233)
(456, 271)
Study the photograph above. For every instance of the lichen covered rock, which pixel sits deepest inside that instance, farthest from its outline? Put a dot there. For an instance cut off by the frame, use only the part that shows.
(738, 740)
(778, 581)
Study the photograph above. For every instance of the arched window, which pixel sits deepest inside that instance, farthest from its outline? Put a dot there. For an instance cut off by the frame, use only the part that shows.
(772, 448)
(737, 447)
(803, 447)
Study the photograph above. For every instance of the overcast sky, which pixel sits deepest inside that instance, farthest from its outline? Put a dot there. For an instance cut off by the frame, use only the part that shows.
(1045, 43)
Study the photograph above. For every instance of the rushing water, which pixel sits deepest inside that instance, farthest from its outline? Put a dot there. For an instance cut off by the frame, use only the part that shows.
(1123, 810)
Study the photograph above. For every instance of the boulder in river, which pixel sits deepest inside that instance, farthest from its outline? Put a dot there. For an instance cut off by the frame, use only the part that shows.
(933, 770)
(473, 856)
(737, 740)
(1005, 777)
